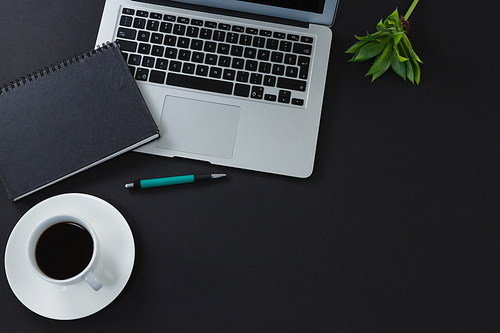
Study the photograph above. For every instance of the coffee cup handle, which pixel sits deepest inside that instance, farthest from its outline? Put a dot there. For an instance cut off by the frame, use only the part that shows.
(92, 281)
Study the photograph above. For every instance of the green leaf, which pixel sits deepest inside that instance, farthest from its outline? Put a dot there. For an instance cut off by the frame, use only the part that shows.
(409, 49)
(398, 66)
(368, 51)
(394, 17)
(382, 61)
(355, 48)
(397, 37)
(382, 70)
(399, 49)
(409, 72)
(381, 27)
(416, 70)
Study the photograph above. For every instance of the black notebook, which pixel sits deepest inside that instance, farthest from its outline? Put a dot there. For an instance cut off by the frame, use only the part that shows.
(69, 117)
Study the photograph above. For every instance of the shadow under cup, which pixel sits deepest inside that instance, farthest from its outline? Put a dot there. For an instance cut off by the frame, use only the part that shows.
(63, 250)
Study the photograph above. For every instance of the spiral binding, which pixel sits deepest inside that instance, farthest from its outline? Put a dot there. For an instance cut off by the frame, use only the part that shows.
(48, 70)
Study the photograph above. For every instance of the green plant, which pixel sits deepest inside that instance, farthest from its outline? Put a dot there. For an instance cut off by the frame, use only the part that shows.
(390, 47)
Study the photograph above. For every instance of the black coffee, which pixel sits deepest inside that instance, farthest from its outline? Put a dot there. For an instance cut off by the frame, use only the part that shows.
(64, 250)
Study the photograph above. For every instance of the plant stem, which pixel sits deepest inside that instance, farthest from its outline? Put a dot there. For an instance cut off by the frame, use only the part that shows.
(412, 7)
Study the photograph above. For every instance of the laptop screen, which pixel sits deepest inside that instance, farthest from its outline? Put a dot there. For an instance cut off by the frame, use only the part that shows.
(314, 6)
(311, 11)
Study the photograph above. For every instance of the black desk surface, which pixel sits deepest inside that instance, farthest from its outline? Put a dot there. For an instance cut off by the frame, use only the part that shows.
(396, 231)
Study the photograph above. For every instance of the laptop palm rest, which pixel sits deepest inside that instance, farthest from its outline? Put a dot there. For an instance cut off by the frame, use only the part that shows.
(199, 127)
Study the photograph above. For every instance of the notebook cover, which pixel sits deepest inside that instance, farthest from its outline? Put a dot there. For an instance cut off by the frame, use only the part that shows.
(67, 118)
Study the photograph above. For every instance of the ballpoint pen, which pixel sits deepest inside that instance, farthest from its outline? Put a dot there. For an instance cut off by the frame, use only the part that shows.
(156, 182)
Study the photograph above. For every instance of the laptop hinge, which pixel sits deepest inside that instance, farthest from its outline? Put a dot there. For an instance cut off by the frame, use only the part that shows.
(227, 12)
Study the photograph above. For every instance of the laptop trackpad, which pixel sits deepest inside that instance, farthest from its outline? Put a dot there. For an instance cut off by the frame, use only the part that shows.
(199, 127)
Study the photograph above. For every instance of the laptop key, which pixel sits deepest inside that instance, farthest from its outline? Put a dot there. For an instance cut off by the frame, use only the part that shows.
(250, 52)
(144, 48)
(256, 78)
(141, 74)
(224, 61)
(156, 38)
(242, 90)
(134, 59)
(179, 29)
(306, 39)
(157, 77)
(237, 51)
(291, 84)
(246, 40)
(184, 55)
(157, 51)
(153, 25)
(175, 66)
(166, 27)
(206, 33)
(156, 16)
(199, 83)
(126, 33)
(126, 45)
(188, 68)
(242, 76)
(210, 24)
(257, 92)
(202, 70)
(280, 35)
(170, 40)
(284, 96)
(304, 49)
(232, 38)
(216, 72)
(143, 36)
(304, 67)
(223, 48)
(265, 67)
(171, 53)
(198, 57)
(192, 31)
(161, 63)
(210, 47)
(270, 97)
(269, 81)
(272, 44)
(128, 11)
(126, 21)
(148, 62)
(238, 63)
(139, 23)
(219, 36)
(259, 42)
(291, 71)
(229, 74)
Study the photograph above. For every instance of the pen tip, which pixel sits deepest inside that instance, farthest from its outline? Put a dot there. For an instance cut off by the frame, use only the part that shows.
(218, 175)
(129, 185)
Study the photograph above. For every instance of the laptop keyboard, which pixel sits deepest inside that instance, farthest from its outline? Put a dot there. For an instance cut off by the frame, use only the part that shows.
(215, 56)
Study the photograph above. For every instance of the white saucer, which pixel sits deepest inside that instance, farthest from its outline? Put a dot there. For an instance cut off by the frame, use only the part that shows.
(78, 300)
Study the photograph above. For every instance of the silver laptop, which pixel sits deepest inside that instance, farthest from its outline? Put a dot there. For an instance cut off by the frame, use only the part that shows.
(237, 83)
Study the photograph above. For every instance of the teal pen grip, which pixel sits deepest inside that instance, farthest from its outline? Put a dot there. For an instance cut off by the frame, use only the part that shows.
(167, 181)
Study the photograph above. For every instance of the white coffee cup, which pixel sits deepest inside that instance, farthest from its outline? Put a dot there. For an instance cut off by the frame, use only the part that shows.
(44, 250)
